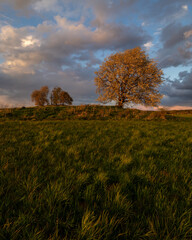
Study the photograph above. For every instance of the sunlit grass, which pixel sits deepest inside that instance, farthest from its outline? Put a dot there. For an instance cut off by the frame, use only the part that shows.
(96, 180)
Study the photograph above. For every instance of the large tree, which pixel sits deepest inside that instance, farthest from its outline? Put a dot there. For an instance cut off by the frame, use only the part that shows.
(60, 97)
(129, 77)
(40, 97)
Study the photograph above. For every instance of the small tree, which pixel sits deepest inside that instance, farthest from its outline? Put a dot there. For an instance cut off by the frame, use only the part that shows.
(55, 96)
(129, 77)
(60, 97)
(40, 96)
(65, 98)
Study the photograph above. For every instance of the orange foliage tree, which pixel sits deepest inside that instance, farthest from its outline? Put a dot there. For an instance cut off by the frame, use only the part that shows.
(60, 97)
(129, 77)
(65, 98)
(40, 97)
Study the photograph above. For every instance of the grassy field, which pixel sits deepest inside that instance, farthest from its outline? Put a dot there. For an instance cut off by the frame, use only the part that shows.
(78, 180)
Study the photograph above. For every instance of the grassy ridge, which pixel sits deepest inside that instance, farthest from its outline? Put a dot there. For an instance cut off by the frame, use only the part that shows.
(96, 180)
(86, 112)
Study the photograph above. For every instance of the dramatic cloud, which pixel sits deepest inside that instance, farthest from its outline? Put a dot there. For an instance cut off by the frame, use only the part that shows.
(177, 43)
(63, 42)
(50, 49)
(27, 47)
(165, 11)
(78, 82)
(179, 91)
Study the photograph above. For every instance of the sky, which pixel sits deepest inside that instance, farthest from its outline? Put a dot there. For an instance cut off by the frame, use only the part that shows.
(63, 43)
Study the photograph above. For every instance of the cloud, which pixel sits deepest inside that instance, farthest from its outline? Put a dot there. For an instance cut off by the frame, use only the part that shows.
(30, 41)
(19, 50)
(104, 10)
(185, 7)
(176, 49)
(178, 91)
(104, 35)
(148, 45)
(46, 5)
(107, 9)
(66, 49)
(164, 11)
(43, 55)
(28, 50)
(179, 108)
(18, 3)
(188, 34)
(16, 89)
(167, 108)
(7, 102)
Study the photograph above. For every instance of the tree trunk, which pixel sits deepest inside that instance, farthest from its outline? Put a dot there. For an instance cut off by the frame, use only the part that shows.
(121, 101)
(120, 104)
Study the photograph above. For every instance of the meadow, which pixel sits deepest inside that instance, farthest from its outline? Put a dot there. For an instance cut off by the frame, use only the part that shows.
(95, 179)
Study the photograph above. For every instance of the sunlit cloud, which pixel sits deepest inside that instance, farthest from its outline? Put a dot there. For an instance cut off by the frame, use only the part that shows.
(179, 108)
(16, 66)
(148, 45)
(30, 41)
(7, 32)
(185, 7)
(188, 34)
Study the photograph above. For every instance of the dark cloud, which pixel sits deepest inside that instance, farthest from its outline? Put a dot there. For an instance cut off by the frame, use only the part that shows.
(174, 34)
(159, 10)
(18, 4)
(177, 44)
(102, 9)
(178, 91)
(165, 11)
(16, 90)
(110, 10)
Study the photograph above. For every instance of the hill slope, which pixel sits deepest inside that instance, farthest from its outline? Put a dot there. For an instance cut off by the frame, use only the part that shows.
(87, 112)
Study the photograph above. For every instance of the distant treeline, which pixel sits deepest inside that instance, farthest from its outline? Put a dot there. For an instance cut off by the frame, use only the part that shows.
(57, 97)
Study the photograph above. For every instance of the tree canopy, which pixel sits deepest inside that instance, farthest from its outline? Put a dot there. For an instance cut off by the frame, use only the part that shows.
(129, 77)
(57, 97)
(60, 97)
(40, 97)
(65, 98)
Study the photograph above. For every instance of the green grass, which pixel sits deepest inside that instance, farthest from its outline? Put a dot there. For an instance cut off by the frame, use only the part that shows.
(78, 180)
(185, 115)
